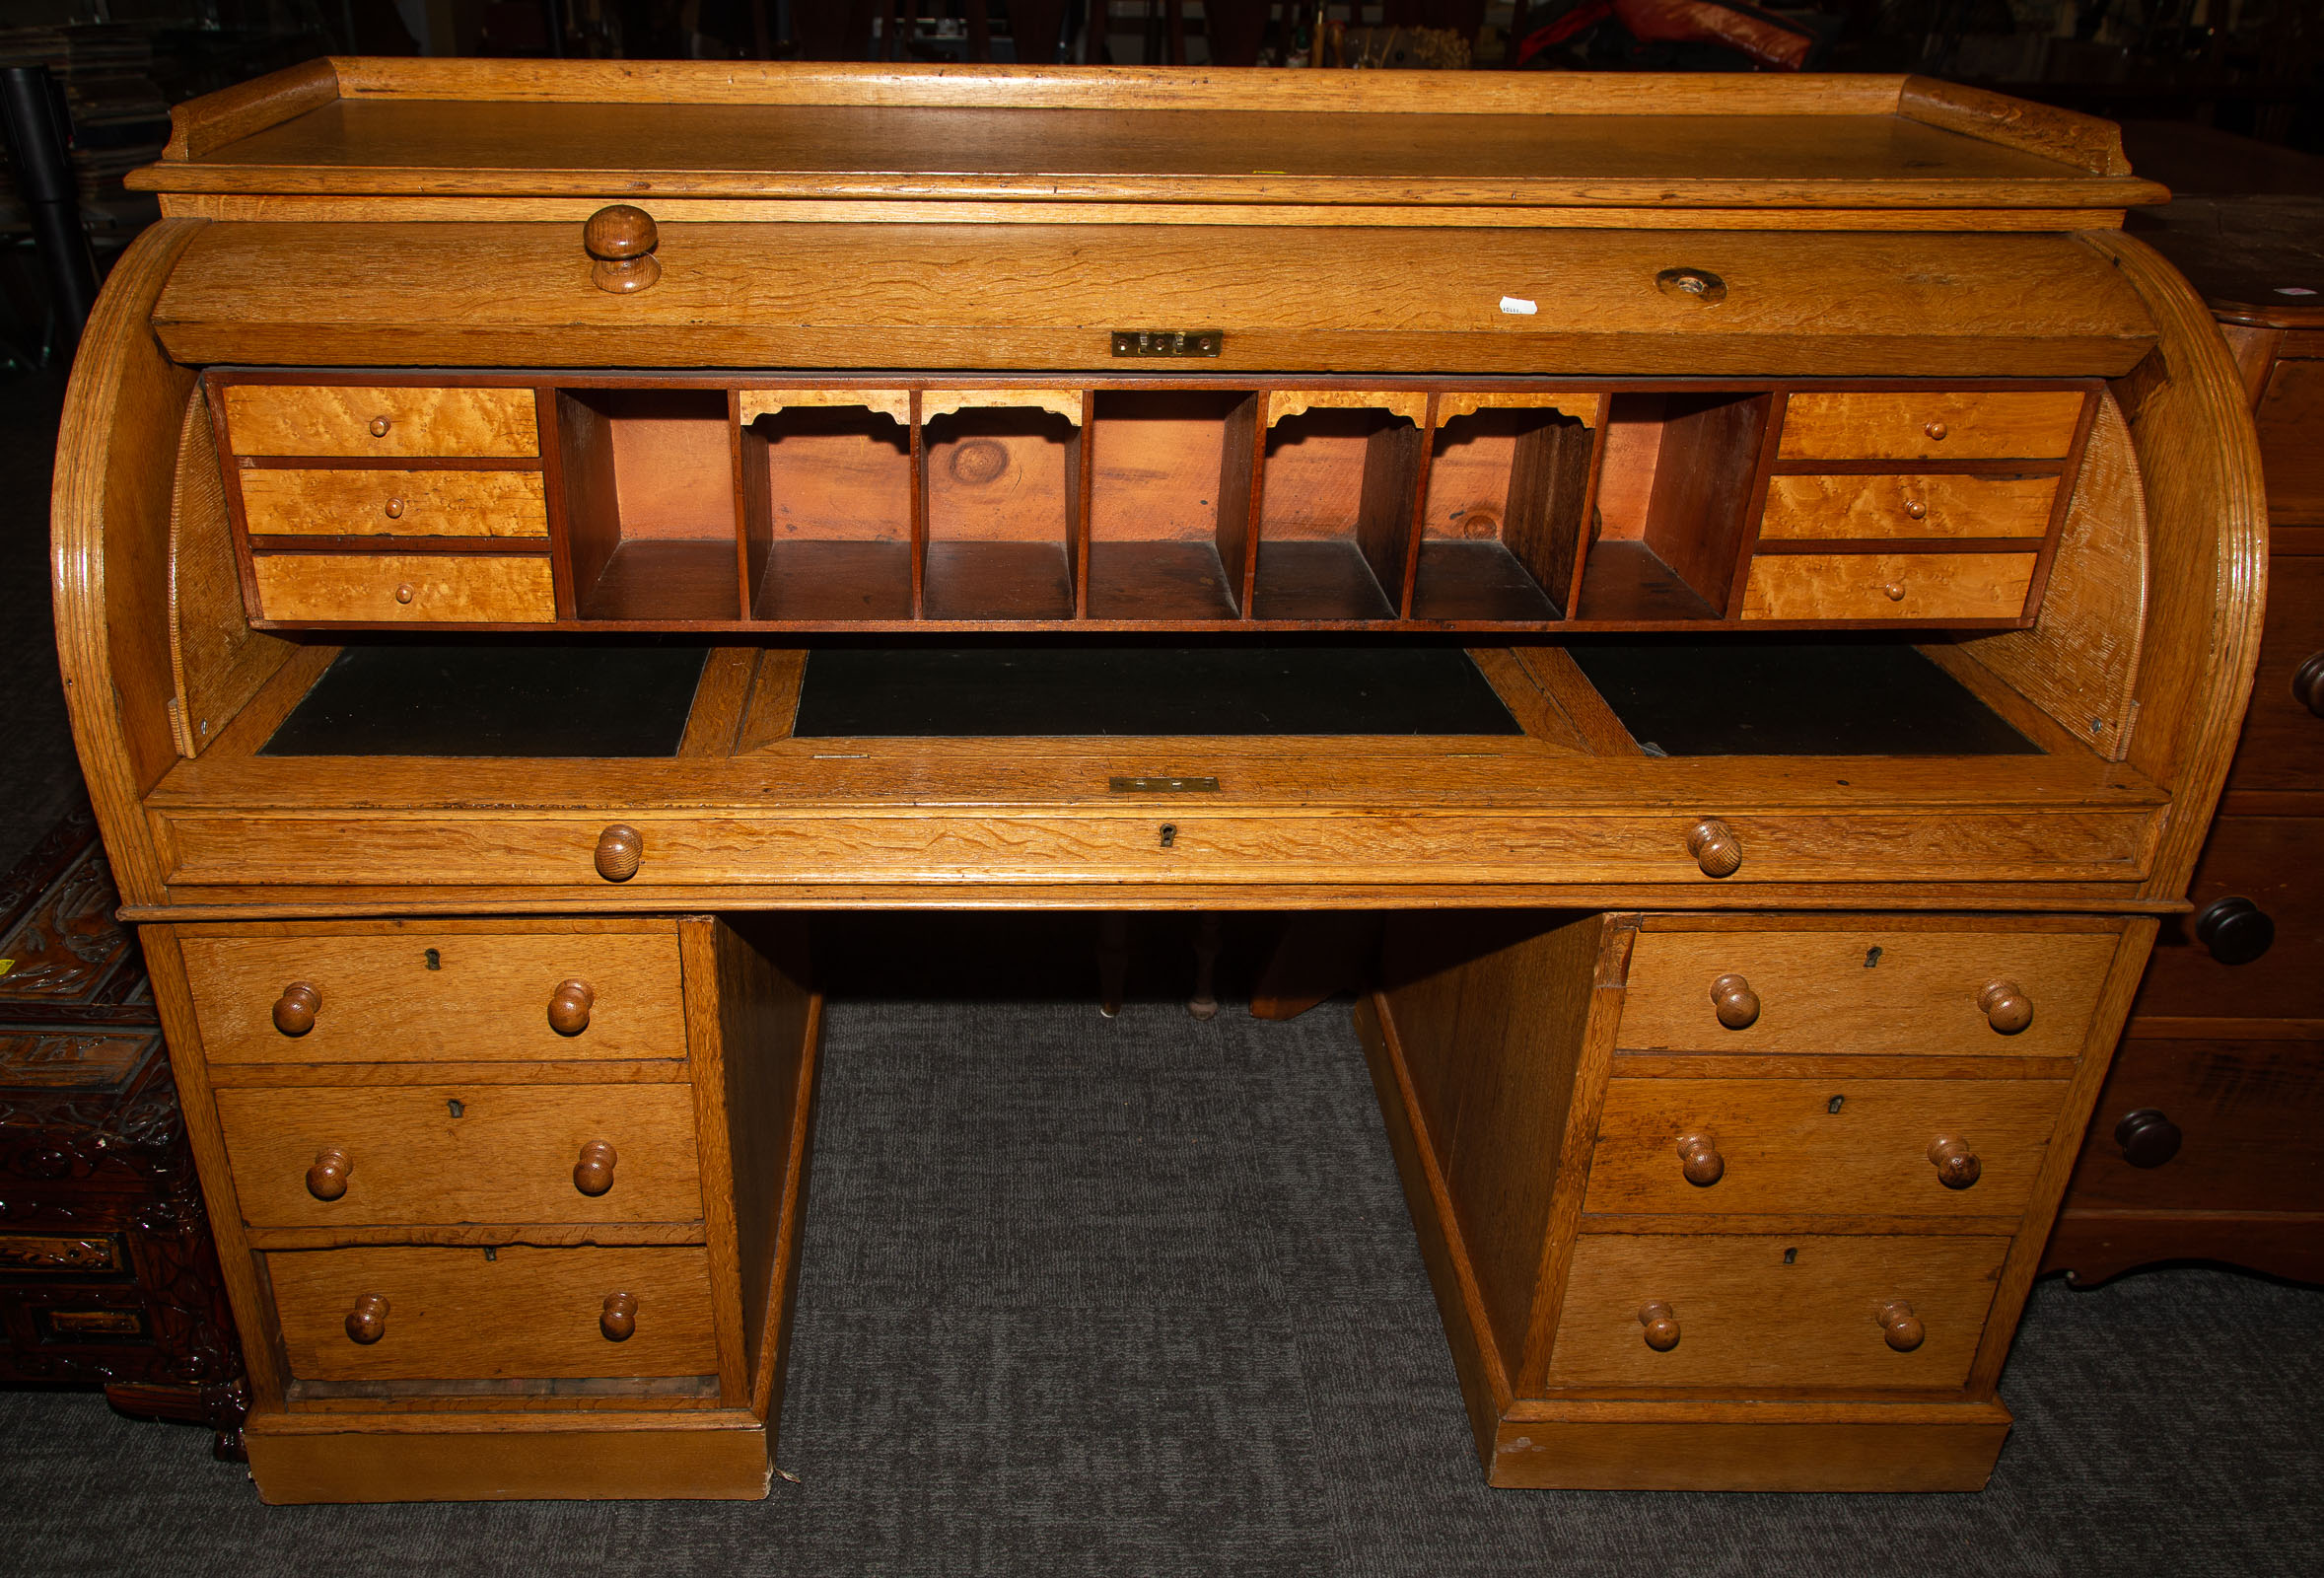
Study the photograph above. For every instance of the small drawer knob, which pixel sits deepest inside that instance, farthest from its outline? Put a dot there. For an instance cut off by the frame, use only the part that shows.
(1715, 849)
(404, 593)
(1956, 1165)
(619, 1317)
(1936, 431)
(1915, 509)
(619, 849)
(327, 1179)
(394, 509)
(367, 1323)
(379, 426)
(2006, 1007)
(1699, 1161)
(1899, 1326)
(1736, 1003)
(1893, 591)
(2235, 930)
(569, 1006)
(621, 238)
(2307, 683)
(593, 1174)
(2146, 1137)
(296, 1008)
(1661, 1326)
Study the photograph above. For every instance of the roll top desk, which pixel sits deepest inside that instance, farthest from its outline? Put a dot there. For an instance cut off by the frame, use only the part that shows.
(1734, 1060)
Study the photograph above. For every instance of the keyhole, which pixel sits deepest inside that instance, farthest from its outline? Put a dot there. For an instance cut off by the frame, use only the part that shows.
(1170, 834)
(435, 960)
(490, 1252)
(1790, 1257)
(1873, 957)
(457, 1109)
(1833, 1106)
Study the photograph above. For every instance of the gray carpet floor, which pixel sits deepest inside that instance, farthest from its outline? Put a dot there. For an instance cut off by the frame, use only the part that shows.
(1142, 1297)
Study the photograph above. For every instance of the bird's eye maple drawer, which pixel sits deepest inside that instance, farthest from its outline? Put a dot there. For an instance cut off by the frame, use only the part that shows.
(1911, 505)
(386, 587)
(385, 1155)
(1930, 425)
(1917, 989)
(1852, 1313)
(430, 1313)
(1941, 1148)
(1910, 588)
(381, 421)
(282, 501)
(414, 992)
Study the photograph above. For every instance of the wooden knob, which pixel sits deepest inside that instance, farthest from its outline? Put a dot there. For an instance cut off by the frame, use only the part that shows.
(619, 849)
(1893, 591)
(403, 592)
(2007, 1008)
(569, 1006)
(296, 1008)
(620, 1317)
(378, 427)
(2307, 683)
(593, 1174)
(394, 509)
(1956, 1165)
(622, 238)
(1915, 509)
(2146, 1137)
(1936, 432)
(1661, 1326)
(367, 1323)
(1699, 1161)
(327, 1179)
(2235, 930)
(1717, 850)
(1736, 1003)
(1900, 1326)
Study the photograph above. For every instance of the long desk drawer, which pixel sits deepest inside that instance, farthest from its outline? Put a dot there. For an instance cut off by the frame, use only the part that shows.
(1257, 844)
(388, 1155)
(422, 1312)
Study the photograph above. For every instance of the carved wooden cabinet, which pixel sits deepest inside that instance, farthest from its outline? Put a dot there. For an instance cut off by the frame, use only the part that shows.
(1757, 578)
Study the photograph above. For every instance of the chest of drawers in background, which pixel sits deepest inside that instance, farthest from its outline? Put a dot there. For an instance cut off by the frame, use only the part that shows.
(2202, 1144)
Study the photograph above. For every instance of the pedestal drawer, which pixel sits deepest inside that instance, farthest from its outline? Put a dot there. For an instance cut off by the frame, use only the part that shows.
(425, 991)
(1804, 991)
(1802, 1146)
(355, 419)
(1767, 1311)
(422, 1312)
(429, 1154)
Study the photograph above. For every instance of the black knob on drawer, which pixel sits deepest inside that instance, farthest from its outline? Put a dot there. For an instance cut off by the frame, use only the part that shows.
(2235, 930)
(2307, 683)
(2146, 1137)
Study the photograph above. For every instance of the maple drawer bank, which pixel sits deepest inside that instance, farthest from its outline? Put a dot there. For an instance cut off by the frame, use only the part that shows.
(1833, 554)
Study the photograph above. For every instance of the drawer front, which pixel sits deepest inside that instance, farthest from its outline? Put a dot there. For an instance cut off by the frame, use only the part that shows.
(1787, 1147)
(1895, 586)
(1908, 506)
(292, 419)
(420, 994)
(1930, 425)
(441, 1154)
(1748, 1318)
(406, 587)
(2290, 420)
(1864, 991)
(380, 503)
(2278, 864)
(553, 848)
(2245, 1115)
(2283, 746)
(451, 1315)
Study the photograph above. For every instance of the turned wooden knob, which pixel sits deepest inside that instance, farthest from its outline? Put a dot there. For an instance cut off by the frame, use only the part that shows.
(296, 1008)
(1736, 1003)
(2235, 930)
(569, 1006)
(1936, 432)
(327, 1179)
(379, 426)
(1715, 849)
(1956, 1165)
(367, 1323)
(404, 593)
(1900, 1326)
(1699, 1161)
(2006, 1007)
(622, 238)
(2147, 1138)
(619, 849)
(2307, 683)
(619, 1317)
(394, 509)
(1661, 1326)
(593, 1174)
(1915, 509)
(1893, 591)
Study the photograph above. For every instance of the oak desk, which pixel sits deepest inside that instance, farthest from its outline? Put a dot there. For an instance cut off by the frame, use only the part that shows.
(1733, 1090)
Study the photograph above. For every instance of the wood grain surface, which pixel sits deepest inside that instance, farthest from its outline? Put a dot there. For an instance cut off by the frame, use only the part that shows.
(1811, 506)
(359, 1458)
(404, 588)
(394, 503)
(339, 420)
(217, 662)
(1930, 425)
(1907, 588)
